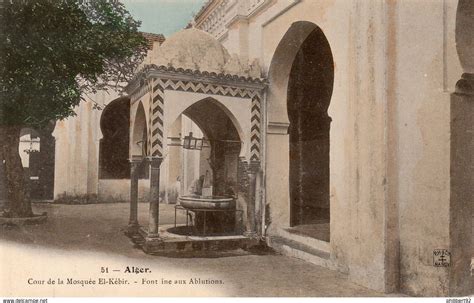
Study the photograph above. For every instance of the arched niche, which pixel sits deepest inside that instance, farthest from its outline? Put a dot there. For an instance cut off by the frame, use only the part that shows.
(223, 139)
(280, 68)
(139, 140)
(301, 77)
(113, 150)
(238, 112)
(310, 87)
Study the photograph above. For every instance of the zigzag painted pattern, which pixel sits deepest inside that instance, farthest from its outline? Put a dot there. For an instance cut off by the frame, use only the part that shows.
(157, 109)
(255, 137)
(148, 137)
(197, 87)
(159, 85)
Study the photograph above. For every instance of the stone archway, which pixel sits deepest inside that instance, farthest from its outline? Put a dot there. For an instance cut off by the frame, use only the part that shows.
(113, 149)
(225, 142)
(309, 94)
(301, 78)
(216, 162)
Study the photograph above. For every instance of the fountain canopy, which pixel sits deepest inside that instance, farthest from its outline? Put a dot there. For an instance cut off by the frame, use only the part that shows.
(193, 74)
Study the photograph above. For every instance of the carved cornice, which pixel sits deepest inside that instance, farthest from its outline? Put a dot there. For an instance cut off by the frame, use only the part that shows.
(154, 71)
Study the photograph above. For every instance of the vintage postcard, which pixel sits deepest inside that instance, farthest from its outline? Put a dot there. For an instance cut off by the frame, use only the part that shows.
(236, 148)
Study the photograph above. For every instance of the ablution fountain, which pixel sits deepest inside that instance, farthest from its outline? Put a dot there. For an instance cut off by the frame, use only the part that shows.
(212, 201)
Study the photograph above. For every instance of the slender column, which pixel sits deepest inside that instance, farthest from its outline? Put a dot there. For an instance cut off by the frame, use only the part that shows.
(135, 165)
(154, 213)
(251, 228)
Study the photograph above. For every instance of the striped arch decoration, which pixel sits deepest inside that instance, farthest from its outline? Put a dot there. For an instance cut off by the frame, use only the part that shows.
(255, 133)
(156, 116)
(150, 102)
(157, 109)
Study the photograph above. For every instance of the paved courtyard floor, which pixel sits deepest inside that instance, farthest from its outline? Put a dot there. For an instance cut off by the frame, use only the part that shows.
(86, 243)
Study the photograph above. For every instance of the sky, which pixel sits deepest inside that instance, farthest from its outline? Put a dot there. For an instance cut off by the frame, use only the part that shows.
(163, 16)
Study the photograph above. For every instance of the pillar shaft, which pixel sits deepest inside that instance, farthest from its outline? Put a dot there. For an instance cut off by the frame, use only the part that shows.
(135, 166)
(154, 212)
(251, 227)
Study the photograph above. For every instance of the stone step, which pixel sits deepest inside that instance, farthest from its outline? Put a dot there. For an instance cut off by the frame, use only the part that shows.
(176, 247)
(307, 240)
(299, 250)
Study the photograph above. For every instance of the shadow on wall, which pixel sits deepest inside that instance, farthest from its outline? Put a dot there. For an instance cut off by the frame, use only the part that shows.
(3, 188)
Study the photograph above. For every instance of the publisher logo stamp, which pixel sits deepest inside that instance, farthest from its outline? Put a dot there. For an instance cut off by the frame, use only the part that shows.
(441, 258)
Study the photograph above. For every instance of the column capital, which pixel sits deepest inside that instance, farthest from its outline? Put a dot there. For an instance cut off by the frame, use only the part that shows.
(154, 161)
(254, 167)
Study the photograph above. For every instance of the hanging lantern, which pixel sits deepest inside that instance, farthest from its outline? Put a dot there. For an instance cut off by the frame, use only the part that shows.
(191, 142)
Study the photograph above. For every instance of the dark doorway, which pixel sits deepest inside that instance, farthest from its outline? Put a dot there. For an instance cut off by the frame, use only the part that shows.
(114, 146)
(37, 149)
(309, 93)
(42, 167)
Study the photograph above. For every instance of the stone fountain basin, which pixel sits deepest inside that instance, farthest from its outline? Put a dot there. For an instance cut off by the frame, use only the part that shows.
(207, 202)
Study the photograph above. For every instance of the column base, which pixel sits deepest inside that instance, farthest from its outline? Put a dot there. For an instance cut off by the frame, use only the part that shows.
(153, 243)
(152, 237)
(132, 229)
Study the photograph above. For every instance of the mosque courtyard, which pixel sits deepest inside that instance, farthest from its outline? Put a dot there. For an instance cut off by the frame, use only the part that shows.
(83, 243)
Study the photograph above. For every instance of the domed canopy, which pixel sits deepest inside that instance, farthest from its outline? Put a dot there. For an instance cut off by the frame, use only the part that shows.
(197, 50)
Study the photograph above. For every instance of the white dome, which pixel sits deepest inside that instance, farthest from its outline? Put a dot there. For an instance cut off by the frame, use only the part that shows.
(192, 49)
(195, 49)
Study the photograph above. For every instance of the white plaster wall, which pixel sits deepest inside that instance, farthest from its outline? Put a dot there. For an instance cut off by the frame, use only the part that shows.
(389, 135)
(118, 190)
(77, 148)
(190, 168)
(357, 154)
(27, 143)
(232, 41)
(427, 69)
(245, 37)
(61, 159)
